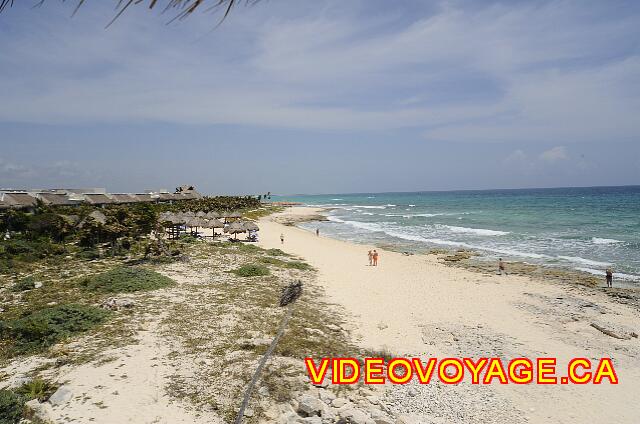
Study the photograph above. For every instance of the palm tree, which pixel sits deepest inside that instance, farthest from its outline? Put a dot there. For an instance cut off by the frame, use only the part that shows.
(183, 8)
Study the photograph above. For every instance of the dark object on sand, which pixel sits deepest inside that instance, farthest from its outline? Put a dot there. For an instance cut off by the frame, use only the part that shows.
(609, 332)
(289, 295)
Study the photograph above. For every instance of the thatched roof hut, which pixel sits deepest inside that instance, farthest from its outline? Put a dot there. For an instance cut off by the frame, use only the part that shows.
(97, 199)
(56, 199)
(18, 200)
(215, 223)
(122, 198)
(71, 220)
(143, 198)
(97, 216)
(235, 228)
(250, 226)
(165, 197)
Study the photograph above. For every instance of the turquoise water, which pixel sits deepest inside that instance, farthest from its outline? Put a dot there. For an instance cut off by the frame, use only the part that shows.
(587, 229)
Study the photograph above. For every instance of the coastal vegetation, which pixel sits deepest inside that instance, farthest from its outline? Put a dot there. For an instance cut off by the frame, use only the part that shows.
(212, 305)
(123, 279)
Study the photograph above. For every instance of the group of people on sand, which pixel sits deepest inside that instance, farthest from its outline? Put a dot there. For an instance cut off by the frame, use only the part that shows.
(373, 257)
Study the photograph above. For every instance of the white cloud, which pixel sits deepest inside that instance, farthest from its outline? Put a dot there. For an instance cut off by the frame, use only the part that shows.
(515, 157)
(10, 170)
(505, 72)
(554, 154)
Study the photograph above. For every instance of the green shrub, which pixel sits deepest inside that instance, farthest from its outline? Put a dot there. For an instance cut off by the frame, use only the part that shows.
(37, 389)
(298, 265)
(251, 270)
(29, 250)
(88, 254)
(276, 252)
(248, 248)
(285, 264)
(126, 279)
(11, 406)
(187, 238)
(44, 327)
(271, 261)
(24, 284)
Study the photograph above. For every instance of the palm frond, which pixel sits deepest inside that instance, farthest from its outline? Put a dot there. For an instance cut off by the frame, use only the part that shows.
(184, 8)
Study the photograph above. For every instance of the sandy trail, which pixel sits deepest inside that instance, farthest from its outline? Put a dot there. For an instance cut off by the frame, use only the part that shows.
(414, 305)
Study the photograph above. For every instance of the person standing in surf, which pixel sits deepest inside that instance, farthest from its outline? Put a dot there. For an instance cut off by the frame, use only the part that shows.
(500, 266)
(609, 274)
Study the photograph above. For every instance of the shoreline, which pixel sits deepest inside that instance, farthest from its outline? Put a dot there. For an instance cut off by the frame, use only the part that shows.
(479, 259)
(416, 305)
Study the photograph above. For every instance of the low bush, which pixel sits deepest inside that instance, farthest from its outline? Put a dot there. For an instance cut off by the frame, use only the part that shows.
(24, 284)
(12, 401)
(251, 270)
(276, 252)
(88, 254)
(127, 280)
(11, 406)
(45, 327)
(29, 250)
(298, 265)
(285, 264)
(37, 389)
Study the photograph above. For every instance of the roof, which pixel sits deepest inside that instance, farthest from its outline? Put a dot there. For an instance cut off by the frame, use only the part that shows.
(123, 198)
(18, 200)
(97, 199)
(56, 199)
(143, 197)
(188, 195)
(165, 196)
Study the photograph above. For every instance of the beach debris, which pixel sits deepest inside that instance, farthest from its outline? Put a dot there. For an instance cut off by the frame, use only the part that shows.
(611, 333)
(291, 293)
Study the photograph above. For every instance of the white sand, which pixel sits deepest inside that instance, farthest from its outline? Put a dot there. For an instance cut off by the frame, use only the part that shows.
(412, 304)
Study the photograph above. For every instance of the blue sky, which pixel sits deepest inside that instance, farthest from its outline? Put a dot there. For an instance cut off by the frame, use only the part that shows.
(322, 96)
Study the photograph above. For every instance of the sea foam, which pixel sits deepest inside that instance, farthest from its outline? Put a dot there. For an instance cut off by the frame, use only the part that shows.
(584, 261)
(478, 231)
(598, 240)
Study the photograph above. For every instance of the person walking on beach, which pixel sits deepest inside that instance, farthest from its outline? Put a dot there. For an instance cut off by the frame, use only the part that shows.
(375, 257)
(609, 277)
(370, 258)
(317, 232)
(281, 238)
(500, 266)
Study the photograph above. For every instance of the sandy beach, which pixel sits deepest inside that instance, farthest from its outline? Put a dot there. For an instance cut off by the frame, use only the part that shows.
(417, 306)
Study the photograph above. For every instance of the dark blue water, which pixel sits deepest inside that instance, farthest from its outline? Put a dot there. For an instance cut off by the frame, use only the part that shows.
(588, 229)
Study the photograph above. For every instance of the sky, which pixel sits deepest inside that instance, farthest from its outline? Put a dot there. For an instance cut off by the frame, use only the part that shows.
(322, 96)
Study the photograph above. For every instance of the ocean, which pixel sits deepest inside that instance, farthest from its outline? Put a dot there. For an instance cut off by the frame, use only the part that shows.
(585, 229)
